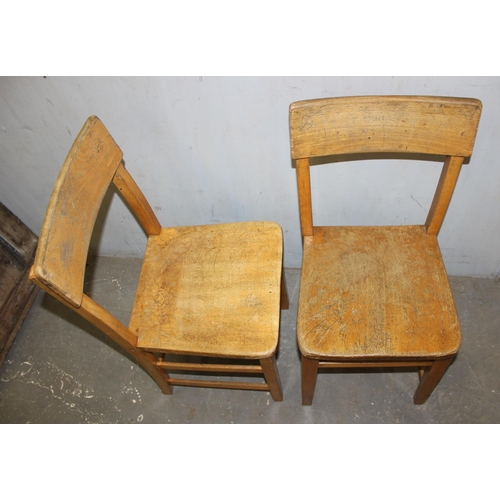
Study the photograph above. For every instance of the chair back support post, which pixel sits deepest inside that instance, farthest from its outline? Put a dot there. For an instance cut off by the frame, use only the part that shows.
(444, 192)
(305, 203)
(136, 200)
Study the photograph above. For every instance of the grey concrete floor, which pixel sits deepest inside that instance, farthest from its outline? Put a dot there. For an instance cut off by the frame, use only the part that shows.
(60, 369)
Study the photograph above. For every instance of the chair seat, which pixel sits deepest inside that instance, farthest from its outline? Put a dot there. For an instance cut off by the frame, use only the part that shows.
(379, 292)
(211, 290)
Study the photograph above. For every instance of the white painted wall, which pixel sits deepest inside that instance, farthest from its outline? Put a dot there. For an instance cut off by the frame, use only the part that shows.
(216, 149)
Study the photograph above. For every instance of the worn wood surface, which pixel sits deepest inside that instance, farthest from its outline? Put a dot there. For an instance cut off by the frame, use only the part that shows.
(136, 200)
(305, 201)
(381, 266)
(375, 292)
(211, 290)
(378, 296)
(444, 192)
(14, 312)
(204, 290)
(391, 124)
(72, 211)
(17, 248)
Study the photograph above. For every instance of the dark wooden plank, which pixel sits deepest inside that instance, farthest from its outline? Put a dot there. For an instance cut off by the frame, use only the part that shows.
(14, 314)
(17, 247)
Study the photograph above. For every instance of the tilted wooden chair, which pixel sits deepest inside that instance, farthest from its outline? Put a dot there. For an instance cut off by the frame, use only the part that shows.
(211, 291)
(378, 296)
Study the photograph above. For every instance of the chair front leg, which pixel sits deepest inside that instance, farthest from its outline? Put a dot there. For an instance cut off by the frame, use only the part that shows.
(148, 361)
(272, 377)
(430, 380)
(309, 375)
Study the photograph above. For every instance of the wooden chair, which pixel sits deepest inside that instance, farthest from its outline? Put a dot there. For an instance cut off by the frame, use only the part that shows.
(210, 291)
(378, 296)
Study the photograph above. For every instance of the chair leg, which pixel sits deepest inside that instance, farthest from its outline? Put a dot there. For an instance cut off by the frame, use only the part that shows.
(284, 303)
(147, 361)
(309, 375)
(272, 377)
(430, 379)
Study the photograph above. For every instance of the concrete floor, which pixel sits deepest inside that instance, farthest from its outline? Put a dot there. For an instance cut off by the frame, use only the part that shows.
(60, 369)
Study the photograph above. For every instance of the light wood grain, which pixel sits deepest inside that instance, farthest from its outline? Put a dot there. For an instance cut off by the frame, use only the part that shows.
(205, 290)
(211, 290)
(378, 292)
(216, 384)
(444, 192)
(378, 296)
(73, 208)
(391, 124)
(136, 200)
(209, 367)
(305, 202)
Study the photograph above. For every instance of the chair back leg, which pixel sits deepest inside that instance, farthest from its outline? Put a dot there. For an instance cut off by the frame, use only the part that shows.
(284, 302)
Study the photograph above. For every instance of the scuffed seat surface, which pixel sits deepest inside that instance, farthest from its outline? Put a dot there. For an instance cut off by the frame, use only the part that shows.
(378, 292)
(211, 290)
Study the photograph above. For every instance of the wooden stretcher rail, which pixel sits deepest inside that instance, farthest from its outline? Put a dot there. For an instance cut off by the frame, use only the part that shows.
(218, 385)
(372, 364)
(202, 367)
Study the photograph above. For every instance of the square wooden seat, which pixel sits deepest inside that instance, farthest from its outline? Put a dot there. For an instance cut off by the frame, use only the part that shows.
(211, 290)
(375, 293)
(378, 296)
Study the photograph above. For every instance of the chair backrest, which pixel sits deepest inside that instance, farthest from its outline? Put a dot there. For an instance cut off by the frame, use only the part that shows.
(442, 126)
(93, 162)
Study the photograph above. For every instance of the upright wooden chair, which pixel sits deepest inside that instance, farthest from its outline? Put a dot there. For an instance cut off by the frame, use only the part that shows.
(209, 291)
(378, 296)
